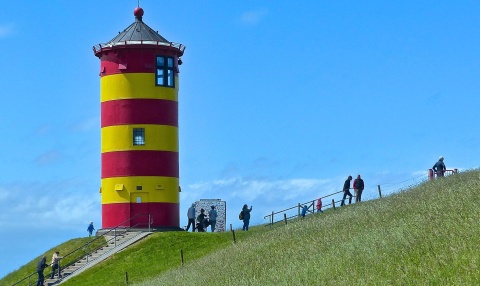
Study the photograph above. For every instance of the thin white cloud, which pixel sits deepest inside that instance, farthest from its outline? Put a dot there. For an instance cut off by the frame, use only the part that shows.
(88, 124)
(252, 18)
(47, 158)
(47, 205)
(5, 30)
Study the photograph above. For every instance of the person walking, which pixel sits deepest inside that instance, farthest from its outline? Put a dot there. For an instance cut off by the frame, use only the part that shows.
(212, 218)
(319, 206)
(304, 210)
(55, 264)
(41, 265)
(191, 217)
(358, 186)
(246, 216)
(439, 167)
(90, 229)
(346, 191)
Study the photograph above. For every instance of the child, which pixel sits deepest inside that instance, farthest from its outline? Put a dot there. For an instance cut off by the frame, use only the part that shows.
(319, 206)
(304, 210)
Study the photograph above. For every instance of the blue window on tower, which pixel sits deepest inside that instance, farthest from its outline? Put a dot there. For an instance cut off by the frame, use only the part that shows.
(138, 136)
(164, 75)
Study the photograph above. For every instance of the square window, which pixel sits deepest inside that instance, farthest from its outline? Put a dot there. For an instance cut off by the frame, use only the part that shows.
(160, 61)
(139, 188)
(138, 136)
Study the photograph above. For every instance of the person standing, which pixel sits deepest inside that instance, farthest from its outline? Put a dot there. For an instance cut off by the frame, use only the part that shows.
(358, 186)
(41, 265)
(212, 218)
(319, 206)
(346, 191)
(90, 228)
(191, 217)
(246, 216)
(55, 264)
(201, 221)
(439, 167)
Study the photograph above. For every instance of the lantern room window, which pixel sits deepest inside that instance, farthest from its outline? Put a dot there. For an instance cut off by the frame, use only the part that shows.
(138, 136)
(164, 75)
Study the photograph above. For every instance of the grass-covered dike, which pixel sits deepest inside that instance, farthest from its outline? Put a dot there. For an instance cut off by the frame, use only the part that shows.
(428, 235)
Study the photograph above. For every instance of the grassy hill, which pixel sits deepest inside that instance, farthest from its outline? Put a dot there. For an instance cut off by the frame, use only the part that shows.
(428, 235)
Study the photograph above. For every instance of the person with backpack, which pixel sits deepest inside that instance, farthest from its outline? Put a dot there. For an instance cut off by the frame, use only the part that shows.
(212, 218)
(358, 186)
(346, 191)
(246, 216)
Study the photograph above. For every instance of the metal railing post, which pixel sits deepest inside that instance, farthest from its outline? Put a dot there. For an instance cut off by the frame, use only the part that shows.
(149, 223)
(115, 237)
(379, 191)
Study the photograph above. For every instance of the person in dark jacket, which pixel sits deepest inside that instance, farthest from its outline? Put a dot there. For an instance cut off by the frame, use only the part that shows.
(90, 228)
(246, 216)
(201, 221)
(439, 167)
(346, 191)
(212, 218)
(41, 265)
(358, 186)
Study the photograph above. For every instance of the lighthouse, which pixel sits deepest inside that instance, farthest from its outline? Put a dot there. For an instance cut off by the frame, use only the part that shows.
(139, 86)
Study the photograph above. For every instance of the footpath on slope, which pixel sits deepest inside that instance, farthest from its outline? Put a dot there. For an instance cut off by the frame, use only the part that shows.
(115, 244)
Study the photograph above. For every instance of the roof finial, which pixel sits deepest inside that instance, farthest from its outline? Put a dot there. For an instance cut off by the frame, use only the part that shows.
(138, 12)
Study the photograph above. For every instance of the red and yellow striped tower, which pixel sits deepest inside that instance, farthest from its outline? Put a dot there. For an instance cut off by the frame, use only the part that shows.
(139, 123)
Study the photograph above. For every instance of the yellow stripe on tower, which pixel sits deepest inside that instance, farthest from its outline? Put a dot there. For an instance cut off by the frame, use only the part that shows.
(133, 85)
(160, 189)
(157, 137)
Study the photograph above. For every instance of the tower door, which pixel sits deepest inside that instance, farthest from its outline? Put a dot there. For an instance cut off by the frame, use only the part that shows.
(139, 210)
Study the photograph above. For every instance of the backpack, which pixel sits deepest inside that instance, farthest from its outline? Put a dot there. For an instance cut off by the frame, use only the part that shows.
(240, 216)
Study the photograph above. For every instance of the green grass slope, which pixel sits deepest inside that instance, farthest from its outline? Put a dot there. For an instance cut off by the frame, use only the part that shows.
(424, 236)
(64, 248)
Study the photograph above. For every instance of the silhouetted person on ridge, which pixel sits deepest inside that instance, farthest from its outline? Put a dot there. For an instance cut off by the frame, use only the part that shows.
(346, 191)
(246, 216)
(358, 186)
(439, 167)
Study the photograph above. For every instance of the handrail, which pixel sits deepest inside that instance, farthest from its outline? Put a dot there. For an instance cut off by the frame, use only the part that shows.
(281, 211)
(91, 241)
(309, 203)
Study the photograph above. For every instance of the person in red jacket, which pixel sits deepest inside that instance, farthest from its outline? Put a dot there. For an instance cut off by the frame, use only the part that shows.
(358, 186)
(319, 206)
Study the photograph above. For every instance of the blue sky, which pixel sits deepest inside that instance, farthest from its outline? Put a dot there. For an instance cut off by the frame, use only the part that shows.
(279, 102)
